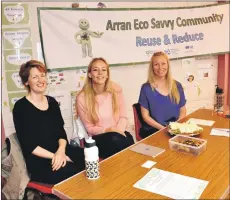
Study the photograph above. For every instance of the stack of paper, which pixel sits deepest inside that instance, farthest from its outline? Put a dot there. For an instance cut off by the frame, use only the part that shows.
(220, 132)
(201, 122)
(172, 185)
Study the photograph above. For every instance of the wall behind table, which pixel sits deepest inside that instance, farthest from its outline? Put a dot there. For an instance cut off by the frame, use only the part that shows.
(129, 77)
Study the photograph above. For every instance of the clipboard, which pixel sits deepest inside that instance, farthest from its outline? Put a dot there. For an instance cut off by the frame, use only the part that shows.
(147, 150)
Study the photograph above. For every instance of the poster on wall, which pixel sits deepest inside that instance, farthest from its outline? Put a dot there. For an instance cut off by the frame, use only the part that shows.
(188, 64)
(13, 81)
(74, 112)
(205, 71)
(191, 86)
(80, 79)
(73, 104)
(16, 38)
(63, 99)
(14, 58)
(56, 78)
(15, 14)
(14, 97)
(124, 36)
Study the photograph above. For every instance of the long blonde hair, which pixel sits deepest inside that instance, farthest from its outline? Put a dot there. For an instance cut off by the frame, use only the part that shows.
(171, 83)
(90, 93)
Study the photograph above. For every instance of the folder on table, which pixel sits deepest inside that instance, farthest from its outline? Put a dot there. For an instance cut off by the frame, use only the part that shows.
(147, 150)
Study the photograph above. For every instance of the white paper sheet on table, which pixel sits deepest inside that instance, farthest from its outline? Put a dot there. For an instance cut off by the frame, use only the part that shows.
(172, 185)
(148, 164)
(201, 121)
(220, 132)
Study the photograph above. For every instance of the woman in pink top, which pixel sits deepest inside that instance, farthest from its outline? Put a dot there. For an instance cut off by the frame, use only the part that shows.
(101, 108)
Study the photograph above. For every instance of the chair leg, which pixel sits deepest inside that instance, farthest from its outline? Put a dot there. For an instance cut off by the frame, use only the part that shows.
(51, 197)
(41, 195)
(35, 192)
(25, 194)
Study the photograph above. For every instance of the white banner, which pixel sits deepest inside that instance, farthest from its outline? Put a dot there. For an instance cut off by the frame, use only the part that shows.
(71, 38)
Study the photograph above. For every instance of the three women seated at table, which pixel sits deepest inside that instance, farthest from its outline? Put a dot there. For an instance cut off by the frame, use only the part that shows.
(101, 107)
(162, 98)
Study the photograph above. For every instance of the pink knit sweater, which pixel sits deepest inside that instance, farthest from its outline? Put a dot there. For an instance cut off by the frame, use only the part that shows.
(104, 111)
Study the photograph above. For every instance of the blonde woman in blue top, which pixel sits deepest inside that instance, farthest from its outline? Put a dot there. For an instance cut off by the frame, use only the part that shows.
(162, 98)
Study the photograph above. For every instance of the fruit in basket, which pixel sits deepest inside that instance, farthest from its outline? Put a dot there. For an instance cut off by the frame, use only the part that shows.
(190, 128)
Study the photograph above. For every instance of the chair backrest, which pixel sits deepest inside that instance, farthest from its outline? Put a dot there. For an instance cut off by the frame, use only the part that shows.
(81, 132)
(138, 120)
(18, 175)
(17, 182)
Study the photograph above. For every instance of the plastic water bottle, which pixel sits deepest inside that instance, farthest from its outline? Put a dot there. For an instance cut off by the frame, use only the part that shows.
(91, 159)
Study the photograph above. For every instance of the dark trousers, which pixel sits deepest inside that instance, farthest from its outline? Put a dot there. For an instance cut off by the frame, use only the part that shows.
(146, 131)
(47, 175)
(112, 142)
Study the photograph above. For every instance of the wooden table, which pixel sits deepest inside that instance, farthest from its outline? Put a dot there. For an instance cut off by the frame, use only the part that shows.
(120, 172)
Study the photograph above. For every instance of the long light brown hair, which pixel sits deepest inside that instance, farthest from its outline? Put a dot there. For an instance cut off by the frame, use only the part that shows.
(171, 83)
(90, 93)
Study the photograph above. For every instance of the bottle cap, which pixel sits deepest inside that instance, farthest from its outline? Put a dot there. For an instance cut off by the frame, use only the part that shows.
(219, 90)
(90, 142)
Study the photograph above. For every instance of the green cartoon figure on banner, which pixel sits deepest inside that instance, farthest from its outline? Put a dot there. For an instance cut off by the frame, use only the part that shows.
(83, 37)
